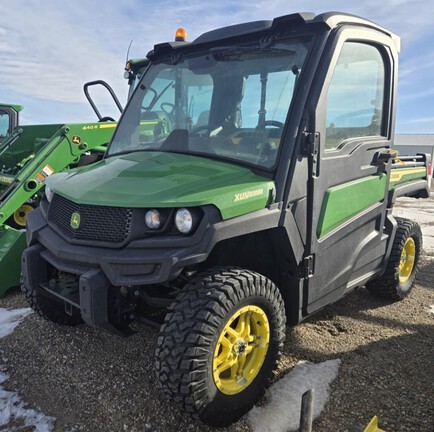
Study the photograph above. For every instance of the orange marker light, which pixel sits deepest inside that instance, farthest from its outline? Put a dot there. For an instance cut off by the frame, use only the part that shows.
(180, 35)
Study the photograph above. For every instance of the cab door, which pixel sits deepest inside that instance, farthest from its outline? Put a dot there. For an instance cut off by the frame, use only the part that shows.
(347, 186)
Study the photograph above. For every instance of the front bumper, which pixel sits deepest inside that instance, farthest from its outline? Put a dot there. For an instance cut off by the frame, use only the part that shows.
(143, 262)
(93, 271)
(89, 295)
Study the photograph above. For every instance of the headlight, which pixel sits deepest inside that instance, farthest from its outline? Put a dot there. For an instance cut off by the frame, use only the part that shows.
(184, 220)
(49, 194)
(153, 219)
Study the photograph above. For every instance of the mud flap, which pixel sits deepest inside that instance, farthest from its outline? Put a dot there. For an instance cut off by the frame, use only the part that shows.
(93, 297)
(94, 288)
(12, 245)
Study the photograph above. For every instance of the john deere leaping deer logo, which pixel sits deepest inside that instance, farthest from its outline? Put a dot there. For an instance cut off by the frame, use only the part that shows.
(76, 139)
(75, 220)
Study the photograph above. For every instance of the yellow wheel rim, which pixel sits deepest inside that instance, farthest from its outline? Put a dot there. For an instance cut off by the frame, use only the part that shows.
(20, 215)
(241, 350)
(406, 262)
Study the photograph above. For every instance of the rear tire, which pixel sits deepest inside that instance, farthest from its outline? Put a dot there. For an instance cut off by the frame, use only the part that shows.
(50, 309)
(220, 343)
(398, 279)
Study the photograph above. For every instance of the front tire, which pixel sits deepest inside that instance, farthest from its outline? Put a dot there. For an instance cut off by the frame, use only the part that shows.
(220, 343)
(398, 279)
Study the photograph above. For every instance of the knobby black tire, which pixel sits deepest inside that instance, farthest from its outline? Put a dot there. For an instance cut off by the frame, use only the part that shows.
(50, 309)
(187, 340)
(388, 285)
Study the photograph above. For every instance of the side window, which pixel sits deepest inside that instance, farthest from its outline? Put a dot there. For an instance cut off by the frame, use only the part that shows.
(355, 97)
(4, 124)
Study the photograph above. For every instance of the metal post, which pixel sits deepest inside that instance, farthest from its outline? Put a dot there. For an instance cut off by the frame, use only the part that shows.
(306, 414)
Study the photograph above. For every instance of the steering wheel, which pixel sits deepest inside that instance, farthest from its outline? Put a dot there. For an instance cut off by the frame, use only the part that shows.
(267, 145)
(106, 119)
(170, 108)
(273, 123)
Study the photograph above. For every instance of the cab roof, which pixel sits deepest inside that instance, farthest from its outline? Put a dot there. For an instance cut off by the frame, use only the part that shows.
(329, 19)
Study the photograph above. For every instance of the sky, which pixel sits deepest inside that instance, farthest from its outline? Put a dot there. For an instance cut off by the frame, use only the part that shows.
(49, 49)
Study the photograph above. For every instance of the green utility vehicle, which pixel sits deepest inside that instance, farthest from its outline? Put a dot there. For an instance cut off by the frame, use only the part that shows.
(249, 183)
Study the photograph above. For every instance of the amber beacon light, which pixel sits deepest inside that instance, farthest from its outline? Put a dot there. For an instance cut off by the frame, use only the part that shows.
(180, 35)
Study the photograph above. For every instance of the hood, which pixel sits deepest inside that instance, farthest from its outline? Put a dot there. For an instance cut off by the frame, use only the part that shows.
(161, 180)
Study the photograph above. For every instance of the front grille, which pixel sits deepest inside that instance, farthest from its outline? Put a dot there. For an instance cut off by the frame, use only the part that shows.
(106, 224)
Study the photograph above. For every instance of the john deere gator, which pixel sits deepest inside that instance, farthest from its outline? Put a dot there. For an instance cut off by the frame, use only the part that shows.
(250, 182)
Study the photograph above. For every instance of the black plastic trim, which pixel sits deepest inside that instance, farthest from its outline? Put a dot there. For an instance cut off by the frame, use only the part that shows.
(147, 261)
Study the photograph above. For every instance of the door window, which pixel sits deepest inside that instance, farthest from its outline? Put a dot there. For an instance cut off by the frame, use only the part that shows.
(4, 124)
(355, 97)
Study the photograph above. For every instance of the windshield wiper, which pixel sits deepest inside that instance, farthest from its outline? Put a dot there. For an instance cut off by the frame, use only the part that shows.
(223, 53)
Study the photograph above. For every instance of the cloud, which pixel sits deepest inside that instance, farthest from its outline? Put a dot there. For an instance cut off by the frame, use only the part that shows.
(415, 124)
(53, 54)
(420, 120)
(49, 49)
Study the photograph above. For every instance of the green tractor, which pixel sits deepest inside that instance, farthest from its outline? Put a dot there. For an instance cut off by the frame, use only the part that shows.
(9, 115)
(249, 183)
(30, 154)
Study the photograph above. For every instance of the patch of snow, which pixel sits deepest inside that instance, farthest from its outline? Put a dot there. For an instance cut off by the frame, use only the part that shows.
(11, 405)
(10, 318)
(282, 410)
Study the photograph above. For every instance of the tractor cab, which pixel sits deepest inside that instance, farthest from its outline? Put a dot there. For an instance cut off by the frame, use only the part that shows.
(9, 115)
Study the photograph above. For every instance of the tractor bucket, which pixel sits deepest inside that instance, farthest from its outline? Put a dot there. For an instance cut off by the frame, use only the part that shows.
(12, 244)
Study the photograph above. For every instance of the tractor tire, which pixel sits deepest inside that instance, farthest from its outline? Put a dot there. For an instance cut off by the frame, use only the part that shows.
(49, 308)
(398, 279)
(220, 343)
(19, 217)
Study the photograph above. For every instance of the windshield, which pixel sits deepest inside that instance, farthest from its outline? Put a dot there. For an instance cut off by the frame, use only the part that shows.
(227, 103)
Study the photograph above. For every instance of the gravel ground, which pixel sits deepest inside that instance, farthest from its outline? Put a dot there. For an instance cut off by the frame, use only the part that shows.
(92, 381)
